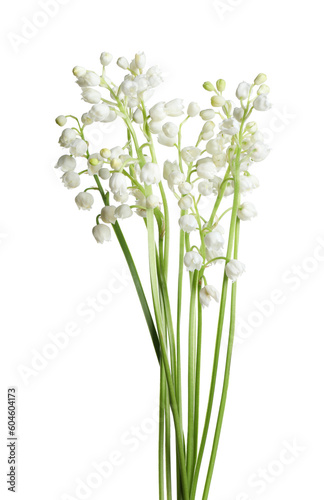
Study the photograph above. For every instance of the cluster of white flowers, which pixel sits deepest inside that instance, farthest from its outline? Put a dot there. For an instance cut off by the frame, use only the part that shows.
(203, 169)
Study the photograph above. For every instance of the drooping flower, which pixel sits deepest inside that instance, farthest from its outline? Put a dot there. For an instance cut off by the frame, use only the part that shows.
(71, 180)
(68, 136)
(108, 214)
(78, 147)
(123, 212)
(150, 173)
(84, 201)
(66, 163)
(207, 293)
(101, 233)
(234, 269)
(193, 261)
(262, 103)
(247, 211)
(188, 223)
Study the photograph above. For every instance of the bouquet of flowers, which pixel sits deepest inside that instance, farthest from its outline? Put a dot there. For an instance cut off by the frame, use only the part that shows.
(207, 178)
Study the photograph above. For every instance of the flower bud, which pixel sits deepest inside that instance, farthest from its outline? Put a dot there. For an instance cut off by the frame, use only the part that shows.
(66, 163)
(238, 114)
(140, 60)
(157, 112)
(152, 201)
(90, 79)
(228, 107)
(104, 174)
(169, 167)
(84, 201)
(86, 119)
(207, 130)
(247, 211)
(108, 214)
(105, 153)
(79, 71)
(188, 223)
(123, 212)
(264, 89)
(165, 140)
(150, 173)
(234, 269)
(71, 180)
(243, 90)
(207, 114)
(138, 116)
(185, 202)
(61, 120)
(174, 107)
(106, 58)
(193, 261)
(207, 293)
(193, 109)
(101, 233)
(217, 101)
(170, 130)
(251, 127)
(208, 86)
(91, 96)
(122, 63)
(262, 103)
(221, 85)
(116, 163)
(155, 127)
(261, 78)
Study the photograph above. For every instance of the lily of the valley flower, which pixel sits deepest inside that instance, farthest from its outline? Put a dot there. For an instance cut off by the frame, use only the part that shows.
(234, 269)
(193, 261)
(101, 233)
(207, 293)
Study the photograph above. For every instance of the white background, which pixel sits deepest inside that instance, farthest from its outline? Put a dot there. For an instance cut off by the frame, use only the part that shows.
(75, 411)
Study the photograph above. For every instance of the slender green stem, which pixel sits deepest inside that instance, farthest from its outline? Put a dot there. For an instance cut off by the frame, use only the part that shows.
(168, 447)
(161, 432)
(220, 324)
(198, 369)
(226, 376)
(192, 378)
(172, 393)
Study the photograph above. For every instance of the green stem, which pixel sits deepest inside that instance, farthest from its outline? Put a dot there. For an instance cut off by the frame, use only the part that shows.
(192, 378)
(220, 325)
(168, 447)
(172, 394)
(226, 376)
(198, 369)
(161, 432)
